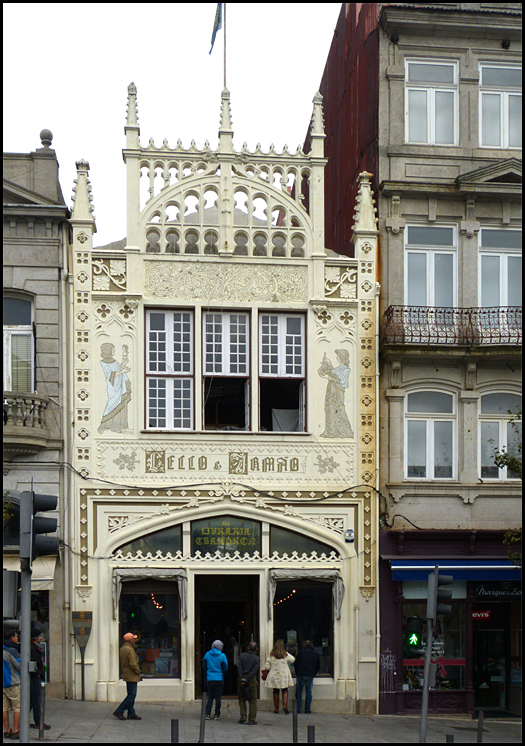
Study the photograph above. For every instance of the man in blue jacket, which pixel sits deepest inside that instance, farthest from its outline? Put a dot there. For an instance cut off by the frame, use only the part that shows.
(307, 664)
(214, 666)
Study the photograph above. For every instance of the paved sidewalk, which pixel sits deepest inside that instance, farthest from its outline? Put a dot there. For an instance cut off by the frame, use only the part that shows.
(92, 722)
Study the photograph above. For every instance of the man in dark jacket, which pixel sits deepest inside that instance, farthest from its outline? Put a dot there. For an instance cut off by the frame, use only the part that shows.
(247, 676)
(36, 677)
(307, 666)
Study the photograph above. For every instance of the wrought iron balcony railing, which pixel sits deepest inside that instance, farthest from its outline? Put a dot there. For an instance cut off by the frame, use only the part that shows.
(425, 325)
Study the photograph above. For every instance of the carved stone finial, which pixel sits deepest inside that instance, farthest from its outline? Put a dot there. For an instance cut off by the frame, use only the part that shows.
(83, 207)
(132, 117)
(365, 215)
(46, 138)
(226, 118)
(317, 125)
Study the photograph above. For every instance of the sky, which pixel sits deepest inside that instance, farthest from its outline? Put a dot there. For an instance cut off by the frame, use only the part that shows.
(68, 66)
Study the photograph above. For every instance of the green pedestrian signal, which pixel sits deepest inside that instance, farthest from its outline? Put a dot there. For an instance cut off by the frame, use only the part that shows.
(413, 639)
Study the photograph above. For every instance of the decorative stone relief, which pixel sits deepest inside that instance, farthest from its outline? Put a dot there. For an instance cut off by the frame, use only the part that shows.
(109, 274)
(118, 386)
(340, 282)
(337, 424)
(226, 282)
(161, 461)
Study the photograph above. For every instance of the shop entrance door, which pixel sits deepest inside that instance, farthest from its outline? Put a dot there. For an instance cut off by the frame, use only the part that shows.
(490, 669)
(226, 609)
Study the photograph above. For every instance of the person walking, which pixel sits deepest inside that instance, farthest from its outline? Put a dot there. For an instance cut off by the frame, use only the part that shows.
(307, 666)
(11, 684)
(131, 674)
(36, 677)
(247, 668)
(215, 668)
(279, 677)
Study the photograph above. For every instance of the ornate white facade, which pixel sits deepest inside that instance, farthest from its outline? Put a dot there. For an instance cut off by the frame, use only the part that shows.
(227, 243)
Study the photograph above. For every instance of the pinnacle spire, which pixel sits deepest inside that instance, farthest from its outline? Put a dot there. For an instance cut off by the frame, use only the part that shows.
(365, 215)
(225, 128)
(83, 207)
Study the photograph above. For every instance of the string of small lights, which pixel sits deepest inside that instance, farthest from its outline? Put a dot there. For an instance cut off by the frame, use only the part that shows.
(156, 603)
(284, 599)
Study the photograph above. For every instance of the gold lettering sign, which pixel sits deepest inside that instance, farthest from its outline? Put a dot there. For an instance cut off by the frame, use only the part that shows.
(226, 535)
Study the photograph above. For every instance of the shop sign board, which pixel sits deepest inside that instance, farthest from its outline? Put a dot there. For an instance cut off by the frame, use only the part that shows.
(498, 590)
(227, 535)
(481, 614)
(82, 622)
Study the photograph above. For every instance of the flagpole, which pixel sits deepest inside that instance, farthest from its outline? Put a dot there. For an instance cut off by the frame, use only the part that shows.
(224, 5)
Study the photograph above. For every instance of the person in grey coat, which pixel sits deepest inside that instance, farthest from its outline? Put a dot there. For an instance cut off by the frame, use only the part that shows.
(247, 669)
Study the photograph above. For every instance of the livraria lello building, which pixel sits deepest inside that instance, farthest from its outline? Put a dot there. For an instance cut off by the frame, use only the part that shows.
(225, 421)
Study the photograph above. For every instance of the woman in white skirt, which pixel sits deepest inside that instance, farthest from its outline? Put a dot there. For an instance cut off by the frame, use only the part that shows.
(279, 676)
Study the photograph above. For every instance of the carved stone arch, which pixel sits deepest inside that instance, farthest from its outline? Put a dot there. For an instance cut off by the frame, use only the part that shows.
(169, 516)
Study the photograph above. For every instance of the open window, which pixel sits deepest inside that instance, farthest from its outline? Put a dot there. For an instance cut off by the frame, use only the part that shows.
(281, 372)
(226, 389)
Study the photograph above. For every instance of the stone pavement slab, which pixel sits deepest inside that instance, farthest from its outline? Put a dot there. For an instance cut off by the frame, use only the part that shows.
(93, 722)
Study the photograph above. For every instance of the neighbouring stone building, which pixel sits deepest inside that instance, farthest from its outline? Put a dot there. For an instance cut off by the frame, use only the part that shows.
(428, 99)
(225, 426)
(35, 245)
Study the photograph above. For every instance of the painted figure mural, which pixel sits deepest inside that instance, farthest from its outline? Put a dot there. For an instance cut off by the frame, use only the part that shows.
(115, 415)
(337, 424)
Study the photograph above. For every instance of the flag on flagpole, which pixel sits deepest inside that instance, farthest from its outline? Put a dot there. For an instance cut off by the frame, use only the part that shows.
(217, 24)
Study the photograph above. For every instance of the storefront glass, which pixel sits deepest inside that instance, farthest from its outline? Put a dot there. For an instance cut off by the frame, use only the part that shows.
(303, 610)
(448, 647)
(150, 609)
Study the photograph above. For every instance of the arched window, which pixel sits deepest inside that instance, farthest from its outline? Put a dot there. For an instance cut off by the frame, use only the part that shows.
(499, 431)
(430, 435)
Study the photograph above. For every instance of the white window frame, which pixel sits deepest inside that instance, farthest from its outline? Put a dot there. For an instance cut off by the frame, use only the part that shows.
(430, 418)
(178, 374)
(503, 254)
(22, 330)
(502, 420)
(431, 90)
(222, 363)
(430, 251)
(279, 344)
(280, 348)
(220, 342)
(504, 95)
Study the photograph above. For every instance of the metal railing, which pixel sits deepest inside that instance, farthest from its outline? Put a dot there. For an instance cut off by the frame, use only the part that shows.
(427, 325)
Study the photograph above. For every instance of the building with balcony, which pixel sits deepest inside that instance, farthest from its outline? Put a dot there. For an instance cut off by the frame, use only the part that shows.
(225, 419)
(36, 239)
(441, 88)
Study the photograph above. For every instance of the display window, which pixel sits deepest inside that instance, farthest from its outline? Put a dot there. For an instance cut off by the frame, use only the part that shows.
(303, 610)
(448, 647)
(150, 609)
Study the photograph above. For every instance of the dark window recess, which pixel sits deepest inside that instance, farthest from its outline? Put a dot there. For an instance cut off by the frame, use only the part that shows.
(302, 610)
(280, 404)
(225, 403)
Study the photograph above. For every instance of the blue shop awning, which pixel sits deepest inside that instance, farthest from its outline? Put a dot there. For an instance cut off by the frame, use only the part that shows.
(463, 569)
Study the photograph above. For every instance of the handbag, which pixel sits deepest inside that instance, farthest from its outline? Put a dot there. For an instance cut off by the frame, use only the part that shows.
(264, 673)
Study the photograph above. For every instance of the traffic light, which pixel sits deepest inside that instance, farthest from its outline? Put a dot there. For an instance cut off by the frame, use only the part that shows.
(414, 633)
(436, 594)
(33, 541)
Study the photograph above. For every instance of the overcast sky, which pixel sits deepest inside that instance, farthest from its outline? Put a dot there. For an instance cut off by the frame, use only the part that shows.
(67, 67)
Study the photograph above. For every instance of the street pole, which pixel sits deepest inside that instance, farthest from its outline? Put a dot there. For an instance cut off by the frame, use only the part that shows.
(25, 648)
(426, 681)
